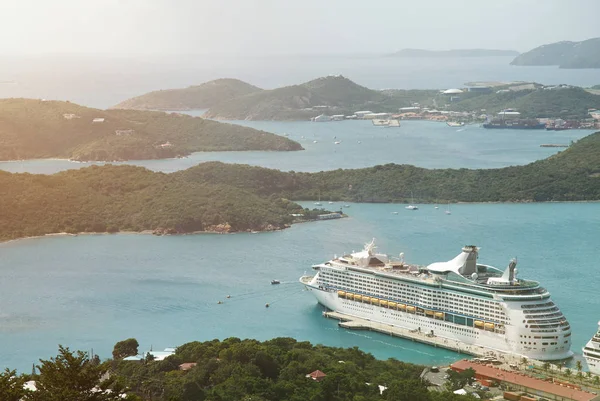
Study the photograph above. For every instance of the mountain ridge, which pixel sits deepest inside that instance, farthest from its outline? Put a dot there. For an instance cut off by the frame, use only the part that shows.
(564, 54)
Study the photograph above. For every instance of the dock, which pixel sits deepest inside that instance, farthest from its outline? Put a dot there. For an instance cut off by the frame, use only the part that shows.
(356, 323)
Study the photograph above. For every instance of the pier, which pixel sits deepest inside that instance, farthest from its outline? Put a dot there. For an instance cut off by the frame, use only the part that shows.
(356, 323)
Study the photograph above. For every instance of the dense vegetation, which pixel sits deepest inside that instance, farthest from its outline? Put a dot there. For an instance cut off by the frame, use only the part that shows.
(127, 198)
(194, 97)
(295, 102)
(585, 54)
(227, 370)
(42, 129)
(566, 103)
(571, 175)
(454, 53)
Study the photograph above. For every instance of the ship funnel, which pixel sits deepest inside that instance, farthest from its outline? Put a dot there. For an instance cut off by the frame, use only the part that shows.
(512, 270)
(470, 265)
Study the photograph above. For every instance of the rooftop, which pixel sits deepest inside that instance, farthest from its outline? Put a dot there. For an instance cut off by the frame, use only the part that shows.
(494, 373)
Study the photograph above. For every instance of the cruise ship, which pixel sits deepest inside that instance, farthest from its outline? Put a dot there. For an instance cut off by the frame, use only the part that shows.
(591, 352)
(461, 300)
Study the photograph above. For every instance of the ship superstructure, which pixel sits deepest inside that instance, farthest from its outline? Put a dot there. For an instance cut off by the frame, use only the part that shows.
(591, 352)
(461, 300)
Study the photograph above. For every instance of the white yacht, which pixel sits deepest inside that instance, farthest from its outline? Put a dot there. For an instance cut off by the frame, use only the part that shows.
(591, 352)
(460, 300)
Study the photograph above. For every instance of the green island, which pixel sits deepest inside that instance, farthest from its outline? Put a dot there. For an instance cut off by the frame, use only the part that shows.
(192, 98)
(275, 370)
(218, 197)
(565, 54)
(31, 129)
(338, 95)
(454, 53)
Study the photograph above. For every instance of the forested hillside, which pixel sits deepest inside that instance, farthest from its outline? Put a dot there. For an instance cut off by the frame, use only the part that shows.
(571, 175)
(194, 97)
(32, 128)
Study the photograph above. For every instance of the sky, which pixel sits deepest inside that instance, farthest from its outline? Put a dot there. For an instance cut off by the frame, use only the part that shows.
(270, 27)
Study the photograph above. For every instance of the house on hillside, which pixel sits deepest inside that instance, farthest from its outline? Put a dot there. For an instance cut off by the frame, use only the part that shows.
(317, 375)
(98, 120)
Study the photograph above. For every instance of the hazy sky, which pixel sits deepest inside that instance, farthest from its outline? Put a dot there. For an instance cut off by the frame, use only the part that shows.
(289, 26)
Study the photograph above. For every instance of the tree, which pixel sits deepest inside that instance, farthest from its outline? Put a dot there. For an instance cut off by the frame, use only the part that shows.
(457, 380)
(70, 376)
(125, 348)
(578, 366)
(596, 380)
(11, 386)
(546, 366)
(568, 372)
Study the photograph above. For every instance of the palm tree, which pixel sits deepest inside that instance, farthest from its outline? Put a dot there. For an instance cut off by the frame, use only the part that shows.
(578, 366)
(597, 380)
(568, 372)
(546, 366)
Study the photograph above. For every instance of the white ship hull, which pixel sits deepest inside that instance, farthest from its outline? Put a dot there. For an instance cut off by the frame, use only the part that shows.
(591, 353)
(467, 336)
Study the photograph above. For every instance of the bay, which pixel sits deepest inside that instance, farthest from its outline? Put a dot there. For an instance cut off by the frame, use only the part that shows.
(421, 143)
(91, 291)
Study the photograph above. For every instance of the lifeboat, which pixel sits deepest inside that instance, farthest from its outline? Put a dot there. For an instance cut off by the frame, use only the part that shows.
(367, 300)
(358, 297)
(384, 303)
(349, 295)
(439, 315)
(375, 301)
(341, 294)
(429, 312)
(392, 305)
(402, 307)
(410, 309)
(489, 326)
(478, 323)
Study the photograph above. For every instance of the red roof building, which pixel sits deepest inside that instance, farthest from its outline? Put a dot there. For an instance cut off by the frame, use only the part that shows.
(317, 375)
(521, 382)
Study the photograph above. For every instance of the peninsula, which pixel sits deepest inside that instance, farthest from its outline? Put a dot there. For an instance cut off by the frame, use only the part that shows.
(339, 96)
(230, 197)
(584, 54)
(454, 53)
(31, 128)
(192, 98)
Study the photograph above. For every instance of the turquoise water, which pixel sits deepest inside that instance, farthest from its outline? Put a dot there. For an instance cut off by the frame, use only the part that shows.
(420, 143)
(91, 291)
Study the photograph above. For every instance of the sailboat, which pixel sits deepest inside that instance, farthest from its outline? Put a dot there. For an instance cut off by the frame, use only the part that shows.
(448, 209)
(411, 206)
(319, 202)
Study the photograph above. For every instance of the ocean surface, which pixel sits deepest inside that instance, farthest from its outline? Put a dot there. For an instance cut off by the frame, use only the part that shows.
(102, 82)
(420, 143)
(90, 291)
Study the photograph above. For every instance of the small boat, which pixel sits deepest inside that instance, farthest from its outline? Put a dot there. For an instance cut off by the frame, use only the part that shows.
(337, 142)
(266, 305)
(318, 204)
(228, 296)
(275, 282)
(448, 210)
(346, 205)
(314, 141)
(331, 203)
(219, 303)
(411, 206)
(394, 212)
(436, 207)
(455, 124)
